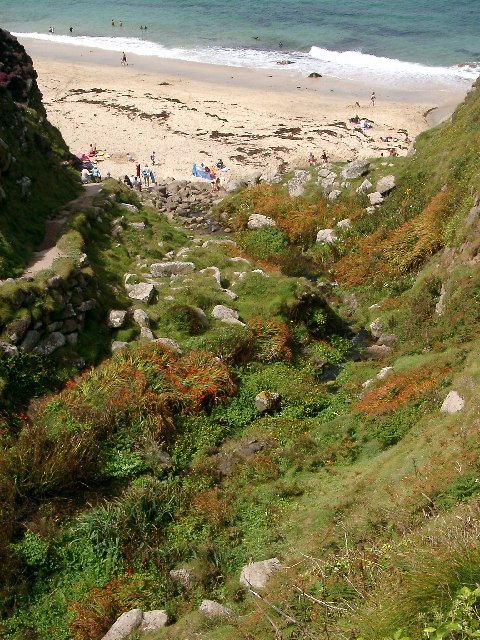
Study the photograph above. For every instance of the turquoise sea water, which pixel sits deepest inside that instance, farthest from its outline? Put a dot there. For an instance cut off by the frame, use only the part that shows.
(386, 39)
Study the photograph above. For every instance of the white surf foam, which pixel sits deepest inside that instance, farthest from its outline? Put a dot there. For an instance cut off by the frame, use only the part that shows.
(345, 64)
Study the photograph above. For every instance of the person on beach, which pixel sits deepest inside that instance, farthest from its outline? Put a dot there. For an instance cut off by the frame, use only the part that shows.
(130, 157)
(152, 158)
(51, 29)
(85, 175)
(372, 99)
(146, 175)
(311, 159)
(120, 24)
(71, 29)
(113, 23)
(137, 170)
(324, 157)
(127, 181)
(152, 177)
(124, 59)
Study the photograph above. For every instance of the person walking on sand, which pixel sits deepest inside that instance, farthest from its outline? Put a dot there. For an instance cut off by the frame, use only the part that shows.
(372, 99)
(124, 59)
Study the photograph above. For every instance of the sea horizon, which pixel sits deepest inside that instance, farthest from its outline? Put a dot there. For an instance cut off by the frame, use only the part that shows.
(416, 41)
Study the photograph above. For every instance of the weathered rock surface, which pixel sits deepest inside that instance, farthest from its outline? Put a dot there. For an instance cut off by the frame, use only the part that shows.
(258, 221)
(364, 187)
(50, 344)
(141, 318)
(116, 318)
(385, 184)
(265, 401)
(326, 235)
(125, 625)
(256, 574)
(376, 328)
(375, 198)
(118, 345)
(453, 403)
(227, 315)
(296, 186)
(143, 292)
(166, 269)
(355, 169)
(128, 207)
(212, 609)
(153, 620)
(183, 577)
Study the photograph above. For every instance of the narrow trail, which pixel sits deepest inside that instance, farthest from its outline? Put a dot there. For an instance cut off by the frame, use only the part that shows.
(47, 252)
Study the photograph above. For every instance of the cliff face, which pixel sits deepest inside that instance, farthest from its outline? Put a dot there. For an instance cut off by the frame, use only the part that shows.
(34, 176)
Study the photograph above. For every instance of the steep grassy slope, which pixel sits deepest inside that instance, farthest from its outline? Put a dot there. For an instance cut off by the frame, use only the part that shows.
(34, 180)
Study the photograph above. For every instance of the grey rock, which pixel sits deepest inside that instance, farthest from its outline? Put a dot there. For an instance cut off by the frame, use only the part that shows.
(326, 235)
(387, 340)
(142, 292)
(183, 577)
(364, 187)
(258, 221)
(8, 350)
(125, 625)
(166, 269)
(231, 294)
(72, 339)
(17, 329)
(128, 207)
(87, 305)
(31, 339)
(453, 403)
(70, 325)
(201, 317)
(240, 259)
(233, 185)
(118, 345)
(170, 344)
(376, 328)
(138, 226)
(345, 224)
(153, 620)
(440, 306)
(212, 609)
(146, 332)
(386, 184)
(355, 169)
(116, 318)
(227, 315)
(83, 260)
(141, 318)
(215, 272)
(256, 574)
(377, 351)
(296, 186)
(54, 282)
(383, 373)
(50, 343)
(333, 195)
(326, 172)
(375, 198)
(265, 401)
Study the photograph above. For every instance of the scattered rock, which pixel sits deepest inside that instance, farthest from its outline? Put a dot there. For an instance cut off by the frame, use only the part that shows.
(296, 186)
(375, 198)
(139, 226)
(326, 235)
(50, 344)
(364, 187)
(116, 318)
(118, 345)
(383, 373)
(256, 574)
(227, 315)
(440, 306)
(355, 169)
(345, 224)
(125, 625)
(128, 207)
(142, 292)
(453, 403)
(215, 272)
(376, 351)
(146, 332)
(267, 402)
(376, 328)
(212, 609)
(31, 339)
(386, 184)
(165, 269)
(141, 318)
(153, 620)
(258, 221)
(183, 577)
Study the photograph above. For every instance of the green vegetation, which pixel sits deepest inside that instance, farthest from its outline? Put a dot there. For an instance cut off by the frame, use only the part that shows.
(154, 460)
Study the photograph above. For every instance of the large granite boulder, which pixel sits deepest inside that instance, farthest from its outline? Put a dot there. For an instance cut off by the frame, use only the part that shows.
(166, 269)
(256, 574)
(385, 184)
(126, 624)
(258, 221)
(212, 609)
(453, 403)
(143, 292)
(227, 315)
(355, 169)
(326, 235)
(141, 318)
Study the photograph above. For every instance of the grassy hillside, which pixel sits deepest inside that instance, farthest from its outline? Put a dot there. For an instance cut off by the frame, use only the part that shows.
(357, 481)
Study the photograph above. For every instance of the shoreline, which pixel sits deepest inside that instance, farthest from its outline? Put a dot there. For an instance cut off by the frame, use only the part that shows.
(192, 112)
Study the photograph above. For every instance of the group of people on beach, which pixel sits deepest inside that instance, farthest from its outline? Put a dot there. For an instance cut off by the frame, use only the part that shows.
(313, 161)
(142, 177)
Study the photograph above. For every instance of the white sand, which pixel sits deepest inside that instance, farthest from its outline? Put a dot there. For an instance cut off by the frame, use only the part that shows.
(190, 113)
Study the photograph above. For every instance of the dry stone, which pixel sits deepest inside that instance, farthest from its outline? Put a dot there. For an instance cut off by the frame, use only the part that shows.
(355, 169)
(386, 184)
(257, 221)
(227, 315)
(171, 344)
(365, 186)
(453, 403)
(326, 235)
(141, 318)
(50, 344)
(166, 269)
(183, 577)
(212, 609)
(125, 625)
(116, 318)
(256, 574)
(142, 292)
(375, 198)
(153, 620)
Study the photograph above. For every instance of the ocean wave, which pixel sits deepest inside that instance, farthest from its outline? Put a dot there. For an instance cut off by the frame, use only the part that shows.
(341, 64)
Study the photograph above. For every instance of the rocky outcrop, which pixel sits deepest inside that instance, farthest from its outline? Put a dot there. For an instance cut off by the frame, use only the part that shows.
(385, 184)
(256, 574)
(355, 169)
(296, 186)
(143, 292)
(227, 315)
(257, 221)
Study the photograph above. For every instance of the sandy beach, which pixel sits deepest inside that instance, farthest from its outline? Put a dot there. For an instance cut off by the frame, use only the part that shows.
(191, 113)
